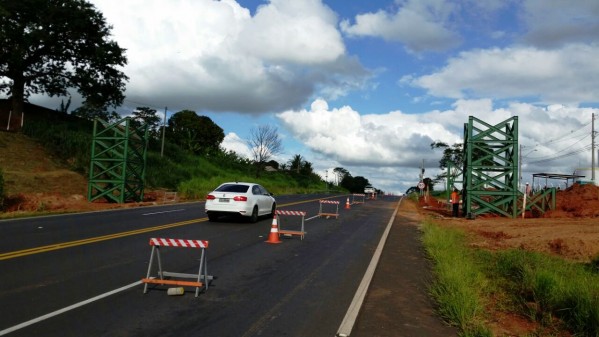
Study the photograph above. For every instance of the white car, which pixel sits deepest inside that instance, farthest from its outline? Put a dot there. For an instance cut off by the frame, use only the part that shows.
(239, 198)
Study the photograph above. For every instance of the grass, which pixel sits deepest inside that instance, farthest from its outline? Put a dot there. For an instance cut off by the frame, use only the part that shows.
(556, 294)
(459, 280)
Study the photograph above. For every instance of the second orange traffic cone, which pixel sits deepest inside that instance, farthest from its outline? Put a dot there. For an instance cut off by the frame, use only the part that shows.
(273, 237)
(347, 206)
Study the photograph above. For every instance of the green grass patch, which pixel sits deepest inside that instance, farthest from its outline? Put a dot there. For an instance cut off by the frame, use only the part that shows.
(459, 280)
(555, 293)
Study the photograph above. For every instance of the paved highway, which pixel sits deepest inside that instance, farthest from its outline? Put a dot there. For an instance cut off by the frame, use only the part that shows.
(79, 274)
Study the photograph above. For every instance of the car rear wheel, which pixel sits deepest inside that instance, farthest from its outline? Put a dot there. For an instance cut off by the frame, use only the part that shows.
(254, 216)
(212, 217)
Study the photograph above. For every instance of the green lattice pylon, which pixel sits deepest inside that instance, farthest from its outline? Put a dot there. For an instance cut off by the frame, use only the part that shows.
(118, 162)
(490, 168)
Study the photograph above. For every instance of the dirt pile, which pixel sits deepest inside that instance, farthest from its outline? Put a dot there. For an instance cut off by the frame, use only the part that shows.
(577, 201)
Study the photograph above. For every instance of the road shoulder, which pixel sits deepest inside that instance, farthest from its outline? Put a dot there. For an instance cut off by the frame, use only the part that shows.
(397, 302)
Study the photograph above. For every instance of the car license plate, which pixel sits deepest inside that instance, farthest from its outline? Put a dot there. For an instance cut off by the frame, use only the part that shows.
(223, 200)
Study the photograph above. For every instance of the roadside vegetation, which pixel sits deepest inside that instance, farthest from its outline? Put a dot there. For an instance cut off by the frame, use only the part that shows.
(1, 189)
(558, 295)
(193, 165)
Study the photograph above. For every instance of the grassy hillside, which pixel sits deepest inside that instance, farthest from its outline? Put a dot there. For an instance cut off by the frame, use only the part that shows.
(52, 155)
(29, 168)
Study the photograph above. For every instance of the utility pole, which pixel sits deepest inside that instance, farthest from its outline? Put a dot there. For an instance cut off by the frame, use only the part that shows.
(163, 132)
(593, 148)
(520, 167)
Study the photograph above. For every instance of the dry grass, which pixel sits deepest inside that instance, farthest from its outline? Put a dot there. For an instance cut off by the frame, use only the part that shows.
(29, 168)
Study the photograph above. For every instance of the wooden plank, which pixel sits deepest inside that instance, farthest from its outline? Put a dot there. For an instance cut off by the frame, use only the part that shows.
(284, 231)
(172, 282)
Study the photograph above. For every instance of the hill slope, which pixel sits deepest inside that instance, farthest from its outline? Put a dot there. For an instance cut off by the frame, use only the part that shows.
(28, 168)
(36, 181)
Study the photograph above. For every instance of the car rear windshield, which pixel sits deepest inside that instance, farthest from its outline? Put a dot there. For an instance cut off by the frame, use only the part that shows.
(233, 188)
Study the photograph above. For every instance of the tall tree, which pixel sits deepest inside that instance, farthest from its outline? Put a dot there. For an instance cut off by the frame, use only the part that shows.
(264, 142)
(295, 163)
(145, 115)
(198, 134)
(340, 173)
(49, 46)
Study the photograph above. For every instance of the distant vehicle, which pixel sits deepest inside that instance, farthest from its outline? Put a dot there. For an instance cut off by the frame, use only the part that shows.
(369, 189)
(240, 199)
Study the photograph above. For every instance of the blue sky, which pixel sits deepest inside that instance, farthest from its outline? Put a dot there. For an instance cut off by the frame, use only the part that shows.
(369, 85)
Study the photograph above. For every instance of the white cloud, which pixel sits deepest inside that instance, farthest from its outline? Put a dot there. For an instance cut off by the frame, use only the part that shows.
(216, 56)
(389, 148)
(233, 142)
(553, 23)
(569, 75)
(420, 25)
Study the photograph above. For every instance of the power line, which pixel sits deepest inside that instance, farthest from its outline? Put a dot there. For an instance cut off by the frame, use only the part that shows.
(581, 150)
(572, 132)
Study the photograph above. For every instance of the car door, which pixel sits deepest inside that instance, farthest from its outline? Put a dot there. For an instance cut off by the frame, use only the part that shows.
(264, 198)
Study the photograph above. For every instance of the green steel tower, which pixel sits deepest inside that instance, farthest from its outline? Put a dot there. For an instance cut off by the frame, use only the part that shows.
(118, 163)
(490, 168)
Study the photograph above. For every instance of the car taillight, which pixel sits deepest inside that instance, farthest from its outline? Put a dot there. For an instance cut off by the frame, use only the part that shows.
(210, 197)
(240, 198)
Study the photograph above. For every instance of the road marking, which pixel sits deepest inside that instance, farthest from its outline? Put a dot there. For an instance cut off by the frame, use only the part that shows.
(56, 246)
(354, 308)
(174, 210)
(69, 308)
(43, 249)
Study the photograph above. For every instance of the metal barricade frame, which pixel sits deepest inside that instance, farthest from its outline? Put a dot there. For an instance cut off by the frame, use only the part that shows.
(202, 278)
(301, 233)
(335, 202)
(354, 201)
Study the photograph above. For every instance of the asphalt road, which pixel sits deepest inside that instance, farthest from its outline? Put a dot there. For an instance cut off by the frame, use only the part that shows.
(78, 275)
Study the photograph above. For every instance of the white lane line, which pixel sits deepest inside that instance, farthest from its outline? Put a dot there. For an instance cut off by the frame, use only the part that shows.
(312, 218)
(174, 210)
(354, 308)
(63, 310)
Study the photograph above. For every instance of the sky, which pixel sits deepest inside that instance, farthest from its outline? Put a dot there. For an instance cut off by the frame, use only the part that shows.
(369, 85)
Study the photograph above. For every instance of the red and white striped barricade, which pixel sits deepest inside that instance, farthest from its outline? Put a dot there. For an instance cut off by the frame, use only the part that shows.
(358, 198)
(299, 233)
(321, 213)
(201, 278)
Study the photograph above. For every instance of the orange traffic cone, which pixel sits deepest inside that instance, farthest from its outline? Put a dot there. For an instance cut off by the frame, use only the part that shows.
(273, 237)
(347, 206)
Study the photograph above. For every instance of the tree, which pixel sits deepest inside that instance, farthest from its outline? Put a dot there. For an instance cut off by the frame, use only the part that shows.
(49, 46)
(340, 173)
(451, 154)
(354, 184)
(264, 142)
(295, 163)
(145, 115)
(198, 134)
(90, 112)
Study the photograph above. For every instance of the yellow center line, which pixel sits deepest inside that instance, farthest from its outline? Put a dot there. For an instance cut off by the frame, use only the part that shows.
(56, 246)
(42, 249)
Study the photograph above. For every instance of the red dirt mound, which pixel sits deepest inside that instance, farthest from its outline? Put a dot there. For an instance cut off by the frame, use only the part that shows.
(577, 201)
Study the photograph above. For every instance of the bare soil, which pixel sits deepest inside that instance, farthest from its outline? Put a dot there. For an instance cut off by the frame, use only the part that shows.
(571, 231)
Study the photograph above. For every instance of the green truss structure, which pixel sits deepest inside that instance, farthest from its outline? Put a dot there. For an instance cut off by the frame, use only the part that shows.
(118, 161)
(490, 174)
